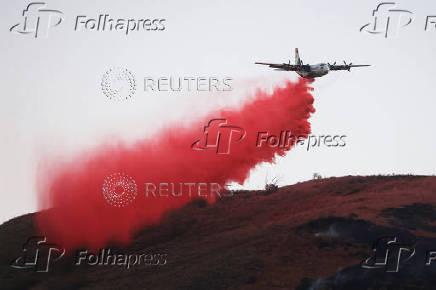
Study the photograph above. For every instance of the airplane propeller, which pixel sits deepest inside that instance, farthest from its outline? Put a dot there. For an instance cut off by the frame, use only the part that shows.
(349, 64)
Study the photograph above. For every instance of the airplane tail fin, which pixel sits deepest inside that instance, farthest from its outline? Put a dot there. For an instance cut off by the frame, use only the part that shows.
(297, 58)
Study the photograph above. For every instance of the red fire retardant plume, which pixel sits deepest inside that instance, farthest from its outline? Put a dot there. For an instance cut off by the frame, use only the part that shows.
(81, 217)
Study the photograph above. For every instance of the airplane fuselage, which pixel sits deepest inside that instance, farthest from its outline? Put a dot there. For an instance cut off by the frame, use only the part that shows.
(314, 71)
(308, 71)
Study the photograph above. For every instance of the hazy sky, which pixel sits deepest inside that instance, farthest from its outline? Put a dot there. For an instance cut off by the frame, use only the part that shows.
(52, 103)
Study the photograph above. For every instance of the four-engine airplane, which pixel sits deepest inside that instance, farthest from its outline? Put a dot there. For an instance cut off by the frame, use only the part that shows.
(310, 71)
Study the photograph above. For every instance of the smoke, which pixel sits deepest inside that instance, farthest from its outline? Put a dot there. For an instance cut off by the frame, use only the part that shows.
(80, 216)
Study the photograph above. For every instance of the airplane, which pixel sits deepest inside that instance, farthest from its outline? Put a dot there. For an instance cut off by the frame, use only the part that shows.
(310, 71)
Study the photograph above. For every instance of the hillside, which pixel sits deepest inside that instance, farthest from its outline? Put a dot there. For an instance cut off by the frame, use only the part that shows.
(311, 235)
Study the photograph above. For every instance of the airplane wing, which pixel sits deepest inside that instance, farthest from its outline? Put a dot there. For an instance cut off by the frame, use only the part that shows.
(285, 66)
(346, 66)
